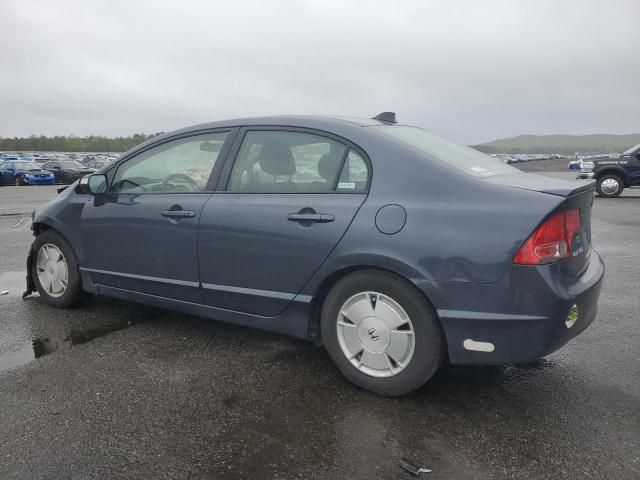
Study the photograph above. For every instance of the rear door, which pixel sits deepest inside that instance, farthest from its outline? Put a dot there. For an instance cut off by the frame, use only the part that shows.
(142, 234)
(285, 203)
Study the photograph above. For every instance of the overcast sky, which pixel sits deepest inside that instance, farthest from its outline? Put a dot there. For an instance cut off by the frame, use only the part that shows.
(469, 70)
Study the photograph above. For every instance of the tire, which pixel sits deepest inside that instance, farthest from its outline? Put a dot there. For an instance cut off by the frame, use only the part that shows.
(607, 190)
(390, 295)
(19, 182)
(73, 293)
(67, 179)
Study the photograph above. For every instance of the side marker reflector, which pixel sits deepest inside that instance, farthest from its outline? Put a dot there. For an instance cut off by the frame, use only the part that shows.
(478, 346)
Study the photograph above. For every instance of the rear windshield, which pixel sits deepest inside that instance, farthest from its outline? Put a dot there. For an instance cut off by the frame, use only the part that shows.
(467, 159)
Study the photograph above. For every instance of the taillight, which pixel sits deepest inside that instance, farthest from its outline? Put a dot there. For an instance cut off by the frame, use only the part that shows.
(551, 241)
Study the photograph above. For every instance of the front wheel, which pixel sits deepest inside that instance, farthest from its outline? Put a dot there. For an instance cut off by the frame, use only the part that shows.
(19, 182)
(609, 186)
(67, 179)
(54, 269)
(381, 332)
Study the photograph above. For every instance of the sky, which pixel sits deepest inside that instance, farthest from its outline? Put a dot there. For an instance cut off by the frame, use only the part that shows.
(469, 70)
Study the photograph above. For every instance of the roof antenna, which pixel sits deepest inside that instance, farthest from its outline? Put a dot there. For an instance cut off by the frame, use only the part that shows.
(386, 117)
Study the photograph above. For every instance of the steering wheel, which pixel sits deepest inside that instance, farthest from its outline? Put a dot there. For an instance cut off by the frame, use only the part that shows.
(183, 179)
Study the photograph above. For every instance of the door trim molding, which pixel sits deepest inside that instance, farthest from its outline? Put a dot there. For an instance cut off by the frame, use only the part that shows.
(171, 281)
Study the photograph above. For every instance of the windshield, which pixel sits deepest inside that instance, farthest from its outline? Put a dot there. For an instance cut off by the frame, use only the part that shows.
(71, 165)
(26, 166)
(631, 150)
(467, 159)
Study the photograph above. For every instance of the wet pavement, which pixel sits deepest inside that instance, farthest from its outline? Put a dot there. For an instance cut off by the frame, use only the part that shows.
(114, 389)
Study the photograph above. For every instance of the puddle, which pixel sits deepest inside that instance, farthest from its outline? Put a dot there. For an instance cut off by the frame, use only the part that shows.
(43, 330)
(43, 346)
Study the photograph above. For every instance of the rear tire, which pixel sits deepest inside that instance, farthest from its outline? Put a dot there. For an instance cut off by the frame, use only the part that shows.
(361, 313)
(52, 256)
(609, 186)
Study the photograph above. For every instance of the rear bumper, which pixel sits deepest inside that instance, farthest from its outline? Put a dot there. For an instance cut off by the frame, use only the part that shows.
(537, 329)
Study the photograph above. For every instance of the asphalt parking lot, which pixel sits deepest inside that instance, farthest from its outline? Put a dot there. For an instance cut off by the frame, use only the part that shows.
(113, 389)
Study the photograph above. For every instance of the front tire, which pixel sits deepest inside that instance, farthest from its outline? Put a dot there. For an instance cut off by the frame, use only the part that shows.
(609, 186)
(54, 269)
(381, 332)
(19, 182)
(67, 179)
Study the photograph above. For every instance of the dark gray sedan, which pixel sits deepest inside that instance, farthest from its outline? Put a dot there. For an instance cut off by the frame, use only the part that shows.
(395, 249)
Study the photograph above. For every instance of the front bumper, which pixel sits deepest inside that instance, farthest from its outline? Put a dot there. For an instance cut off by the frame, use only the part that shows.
(39, 180)
(537, 329)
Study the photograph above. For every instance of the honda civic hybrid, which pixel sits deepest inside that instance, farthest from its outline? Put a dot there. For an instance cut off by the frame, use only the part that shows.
(394, 248)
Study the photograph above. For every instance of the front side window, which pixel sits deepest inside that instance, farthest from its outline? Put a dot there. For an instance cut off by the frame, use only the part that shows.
(286, 162)
(178, 166)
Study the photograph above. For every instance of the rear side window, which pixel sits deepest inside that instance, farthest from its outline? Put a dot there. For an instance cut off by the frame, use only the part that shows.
(354, 175)
(286, 162)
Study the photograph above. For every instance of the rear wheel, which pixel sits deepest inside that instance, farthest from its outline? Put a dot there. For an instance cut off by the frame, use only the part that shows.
(381, 332)
(609, 186)
(54, 269)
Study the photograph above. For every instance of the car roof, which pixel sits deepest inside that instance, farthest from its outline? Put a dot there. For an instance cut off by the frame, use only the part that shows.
(319, 122)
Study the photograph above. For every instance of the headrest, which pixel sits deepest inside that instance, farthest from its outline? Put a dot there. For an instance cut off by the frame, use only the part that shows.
(328, 165)
(276, 159)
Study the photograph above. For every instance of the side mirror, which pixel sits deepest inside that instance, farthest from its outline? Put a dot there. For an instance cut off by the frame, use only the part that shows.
(93, 184)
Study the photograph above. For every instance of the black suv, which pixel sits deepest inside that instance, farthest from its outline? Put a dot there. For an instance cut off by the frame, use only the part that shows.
(614, 174)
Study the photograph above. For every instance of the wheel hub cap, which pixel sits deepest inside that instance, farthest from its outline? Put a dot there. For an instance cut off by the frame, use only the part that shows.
(375, 334)
(52, 269)
(610, 186)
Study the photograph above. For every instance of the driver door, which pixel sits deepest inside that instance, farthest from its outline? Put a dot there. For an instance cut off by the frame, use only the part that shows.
(141, 235)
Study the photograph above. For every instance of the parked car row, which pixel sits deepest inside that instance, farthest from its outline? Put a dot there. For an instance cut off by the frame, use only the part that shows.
(48, 169)
(526, 157)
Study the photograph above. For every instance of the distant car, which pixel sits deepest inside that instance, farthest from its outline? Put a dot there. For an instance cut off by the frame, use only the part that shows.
(613, 175)
(9, 158)
(575, 165)
(21, 173)
(96, 164)
(67, 171)
(396, 249)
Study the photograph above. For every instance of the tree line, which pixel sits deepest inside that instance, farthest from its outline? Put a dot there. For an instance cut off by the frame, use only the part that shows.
(72, 143)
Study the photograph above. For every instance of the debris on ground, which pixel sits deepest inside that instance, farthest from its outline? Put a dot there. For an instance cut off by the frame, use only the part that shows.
(412, 467)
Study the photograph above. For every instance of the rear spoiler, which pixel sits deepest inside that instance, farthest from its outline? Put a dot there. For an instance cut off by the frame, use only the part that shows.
(543, 184)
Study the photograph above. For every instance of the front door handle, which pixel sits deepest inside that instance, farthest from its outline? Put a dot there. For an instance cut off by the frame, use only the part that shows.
(178, 214)
(311, 217)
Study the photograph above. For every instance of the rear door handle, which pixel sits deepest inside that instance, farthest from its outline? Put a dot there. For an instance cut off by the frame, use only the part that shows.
(311, 217)
(178, 214)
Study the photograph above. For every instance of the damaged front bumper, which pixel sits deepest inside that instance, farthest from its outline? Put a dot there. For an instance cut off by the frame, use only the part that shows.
(31, 286)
